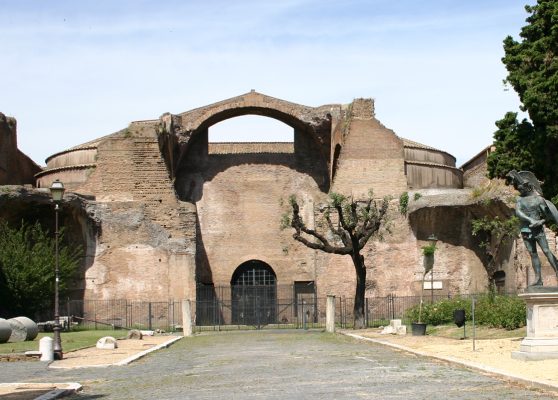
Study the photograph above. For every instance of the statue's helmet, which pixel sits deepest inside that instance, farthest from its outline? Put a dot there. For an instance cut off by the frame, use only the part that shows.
(524, 180)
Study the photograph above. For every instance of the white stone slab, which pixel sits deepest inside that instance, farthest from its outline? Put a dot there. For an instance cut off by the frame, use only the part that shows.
(107, 343)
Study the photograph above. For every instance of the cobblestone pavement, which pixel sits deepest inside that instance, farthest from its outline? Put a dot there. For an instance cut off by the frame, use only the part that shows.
(276, 365)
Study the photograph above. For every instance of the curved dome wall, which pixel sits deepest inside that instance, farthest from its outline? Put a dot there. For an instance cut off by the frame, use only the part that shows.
(427, 167)
(72, 166)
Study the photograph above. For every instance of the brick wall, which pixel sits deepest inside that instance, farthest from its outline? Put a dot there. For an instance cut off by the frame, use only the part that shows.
(371, 158)
(159, 236)
(146, 248)
(15, 167)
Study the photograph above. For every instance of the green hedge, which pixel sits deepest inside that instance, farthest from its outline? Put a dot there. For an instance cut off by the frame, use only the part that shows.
(501, 312)
(495, 311)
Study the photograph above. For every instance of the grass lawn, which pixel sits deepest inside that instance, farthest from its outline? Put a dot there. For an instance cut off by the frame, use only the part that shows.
(481, 332)
(70, 340)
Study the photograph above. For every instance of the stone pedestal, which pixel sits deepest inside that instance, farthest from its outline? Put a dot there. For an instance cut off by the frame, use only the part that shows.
(541, 342)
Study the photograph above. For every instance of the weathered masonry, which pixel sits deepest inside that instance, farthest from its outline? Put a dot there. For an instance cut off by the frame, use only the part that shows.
(164, 214)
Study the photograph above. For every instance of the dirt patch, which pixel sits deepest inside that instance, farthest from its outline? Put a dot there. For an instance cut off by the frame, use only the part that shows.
(30, 391)
(492, 353)
(94, 357)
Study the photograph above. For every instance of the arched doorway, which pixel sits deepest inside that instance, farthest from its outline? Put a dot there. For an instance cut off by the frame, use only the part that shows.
(254, 294)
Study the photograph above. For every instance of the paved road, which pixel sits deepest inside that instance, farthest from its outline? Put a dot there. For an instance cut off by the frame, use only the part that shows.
(276, 365)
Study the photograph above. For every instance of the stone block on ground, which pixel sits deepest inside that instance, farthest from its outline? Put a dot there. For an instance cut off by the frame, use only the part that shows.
(19, 333)
(5, 330)
(394, 328)
(31, 328)
(395, 323)
(107, 343)
(388, 330)
(134, 334)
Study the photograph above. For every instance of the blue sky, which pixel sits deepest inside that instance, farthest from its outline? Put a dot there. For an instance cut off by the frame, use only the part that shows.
(73, 71)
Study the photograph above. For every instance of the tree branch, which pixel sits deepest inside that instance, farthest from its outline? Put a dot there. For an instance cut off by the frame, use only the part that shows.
(298, 224)
(322, 246)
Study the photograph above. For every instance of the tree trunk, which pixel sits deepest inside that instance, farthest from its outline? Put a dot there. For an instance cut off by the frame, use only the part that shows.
(360, 268)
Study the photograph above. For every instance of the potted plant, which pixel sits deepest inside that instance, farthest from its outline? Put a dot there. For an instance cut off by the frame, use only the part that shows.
(419, 328)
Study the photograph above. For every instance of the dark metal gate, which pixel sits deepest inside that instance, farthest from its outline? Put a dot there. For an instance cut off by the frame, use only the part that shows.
(254, 305)
(258, 306)
(254, 294)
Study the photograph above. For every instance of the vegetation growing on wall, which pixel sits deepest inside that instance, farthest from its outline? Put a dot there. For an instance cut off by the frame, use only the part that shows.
(494, 234)
(27, 268)
(404, 203)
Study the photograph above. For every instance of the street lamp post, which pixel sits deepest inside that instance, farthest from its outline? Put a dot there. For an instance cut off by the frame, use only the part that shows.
(57, 192)
(433, 240)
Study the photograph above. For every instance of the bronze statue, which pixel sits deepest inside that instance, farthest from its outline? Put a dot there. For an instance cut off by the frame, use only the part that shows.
(533, 212)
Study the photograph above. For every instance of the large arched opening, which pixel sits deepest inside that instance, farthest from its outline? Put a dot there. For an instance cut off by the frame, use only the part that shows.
(254, 294)
(240, 189)
(251, 129)
(240, 184)
(203, 157)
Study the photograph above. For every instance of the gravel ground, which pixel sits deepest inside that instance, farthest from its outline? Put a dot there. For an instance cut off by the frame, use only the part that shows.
(493, 353)
(277, 365)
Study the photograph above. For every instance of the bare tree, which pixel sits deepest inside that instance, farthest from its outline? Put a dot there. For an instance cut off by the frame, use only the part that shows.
(346, 232)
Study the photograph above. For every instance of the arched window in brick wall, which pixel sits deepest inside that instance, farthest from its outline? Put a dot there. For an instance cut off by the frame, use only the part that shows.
(254, 294)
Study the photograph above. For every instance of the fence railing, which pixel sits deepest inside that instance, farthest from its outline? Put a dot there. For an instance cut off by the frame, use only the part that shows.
(240, 310)
(100, 314)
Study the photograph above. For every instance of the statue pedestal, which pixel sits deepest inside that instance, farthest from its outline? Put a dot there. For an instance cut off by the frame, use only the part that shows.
(541, 342)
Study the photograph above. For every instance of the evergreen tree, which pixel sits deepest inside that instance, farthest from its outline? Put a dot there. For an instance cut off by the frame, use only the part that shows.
(532, 65)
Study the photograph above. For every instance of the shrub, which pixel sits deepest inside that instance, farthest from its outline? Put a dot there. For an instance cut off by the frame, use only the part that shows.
(495, 311)
(501, 312)
(440, 312)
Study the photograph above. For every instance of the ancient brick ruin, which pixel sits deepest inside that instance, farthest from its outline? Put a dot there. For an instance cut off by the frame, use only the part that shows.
(162, 212)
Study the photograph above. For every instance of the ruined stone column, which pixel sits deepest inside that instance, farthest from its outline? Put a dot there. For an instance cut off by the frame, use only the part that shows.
(330, 314)
(187, 318)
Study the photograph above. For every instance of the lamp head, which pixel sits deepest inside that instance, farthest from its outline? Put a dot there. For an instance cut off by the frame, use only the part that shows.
(433, 239)
(57, 191)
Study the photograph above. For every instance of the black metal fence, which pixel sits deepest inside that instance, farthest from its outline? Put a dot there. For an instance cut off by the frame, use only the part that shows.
(257, 306)
(379, 311)
(103, 314)
(225, 308)
(239, 308)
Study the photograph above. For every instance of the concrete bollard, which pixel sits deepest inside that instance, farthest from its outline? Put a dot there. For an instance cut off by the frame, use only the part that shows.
(187, 329)
(330, 314)
(46, 347)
